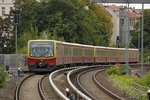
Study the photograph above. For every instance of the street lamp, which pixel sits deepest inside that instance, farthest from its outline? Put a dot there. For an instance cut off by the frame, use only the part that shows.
(127, 32)
(16, 20)
(142, 67)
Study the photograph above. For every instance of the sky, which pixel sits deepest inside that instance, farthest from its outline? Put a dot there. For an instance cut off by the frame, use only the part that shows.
(137, 6)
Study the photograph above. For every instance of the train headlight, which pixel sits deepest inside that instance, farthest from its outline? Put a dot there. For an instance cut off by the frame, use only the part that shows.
(50, 55)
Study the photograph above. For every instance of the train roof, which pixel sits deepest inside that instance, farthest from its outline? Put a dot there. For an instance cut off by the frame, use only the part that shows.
(83, 45)
(76, 44)
(40, 40)
(115, 48)
(100, 47)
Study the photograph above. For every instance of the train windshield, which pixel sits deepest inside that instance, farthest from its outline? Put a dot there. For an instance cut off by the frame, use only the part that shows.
(42, 49)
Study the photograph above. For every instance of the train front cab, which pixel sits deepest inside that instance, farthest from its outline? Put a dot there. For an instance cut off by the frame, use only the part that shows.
(40, 63)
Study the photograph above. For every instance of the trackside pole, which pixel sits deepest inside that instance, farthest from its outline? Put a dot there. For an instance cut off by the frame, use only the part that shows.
(142, 39)
(148, 93)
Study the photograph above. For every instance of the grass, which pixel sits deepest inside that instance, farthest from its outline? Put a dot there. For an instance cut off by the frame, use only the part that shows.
(126, 82)
(2, 77)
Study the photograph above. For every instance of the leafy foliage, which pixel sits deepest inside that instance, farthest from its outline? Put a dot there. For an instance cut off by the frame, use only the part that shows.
(117, 70)
(122, 81)
(112, 70)
(32, 34)
(145, 81)
(66, 20)
(26, 36)
(2, 77)
(146, 33)
(6, 36)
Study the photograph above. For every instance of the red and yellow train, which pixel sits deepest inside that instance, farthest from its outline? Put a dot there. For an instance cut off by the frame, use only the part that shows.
(46, 55)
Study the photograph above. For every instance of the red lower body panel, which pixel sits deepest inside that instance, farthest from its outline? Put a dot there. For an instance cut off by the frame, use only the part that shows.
(98, 60)
(41, 64)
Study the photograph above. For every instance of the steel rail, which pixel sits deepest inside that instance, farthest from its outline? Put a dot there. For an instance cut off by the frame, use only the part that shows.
(52, 75)
(105, 89)
(40, 88)
(16, 96)
(79, 83)
(73, 87)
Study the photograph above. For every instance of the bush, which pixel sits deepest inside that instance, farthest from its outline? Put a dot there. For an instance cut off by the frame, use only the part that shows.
(145, 81)
(112, 70)
(117, 69)
(122, 81)
(2, 77)
(122, 70)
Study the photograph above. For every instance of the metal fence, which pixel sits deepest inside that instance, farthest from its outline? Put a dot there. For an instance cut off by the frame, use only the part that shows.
(137, 92)
(13, 61)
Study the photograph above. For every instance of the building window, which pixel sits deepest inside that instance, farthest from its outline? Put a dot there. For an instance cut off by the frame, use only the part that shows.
(3, 10)
(132, 22)
(122, 21)
(11, 8)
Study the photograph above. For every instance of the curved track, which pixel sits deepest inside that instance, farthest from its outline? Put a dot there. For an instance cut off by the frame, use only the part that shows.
(85, 80)
(47, 90)
(30, 88)
(60, 82)
(109, 87)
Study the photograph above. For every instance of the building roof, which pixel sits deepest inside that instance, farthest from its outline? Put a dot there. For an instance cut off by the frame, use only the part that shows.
(133, 13)
(116, 8)
(138, 11)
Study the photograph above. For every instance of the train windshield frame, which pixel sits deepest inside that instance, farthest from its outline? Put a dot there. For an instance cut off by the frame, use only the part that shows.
(42, 49)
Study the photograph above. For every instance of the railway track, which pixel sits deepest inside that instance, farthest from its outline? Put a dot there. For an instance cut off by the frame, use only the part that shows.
(58, 81)
(35, 87)
(85, 81)
(28, 88)
(46, 90)
(109, 87)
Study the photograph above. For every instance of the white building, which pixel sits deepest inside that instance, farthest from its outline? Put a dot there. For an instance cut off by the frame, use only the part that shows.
(119, 14)
(5, 7)
(115, 20)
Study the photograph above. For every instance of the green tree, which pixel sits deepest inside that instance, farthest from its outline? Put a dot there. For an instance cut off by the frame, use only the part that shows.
(66, 20)
(6, 36)
(146, 33)
(26, 36)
